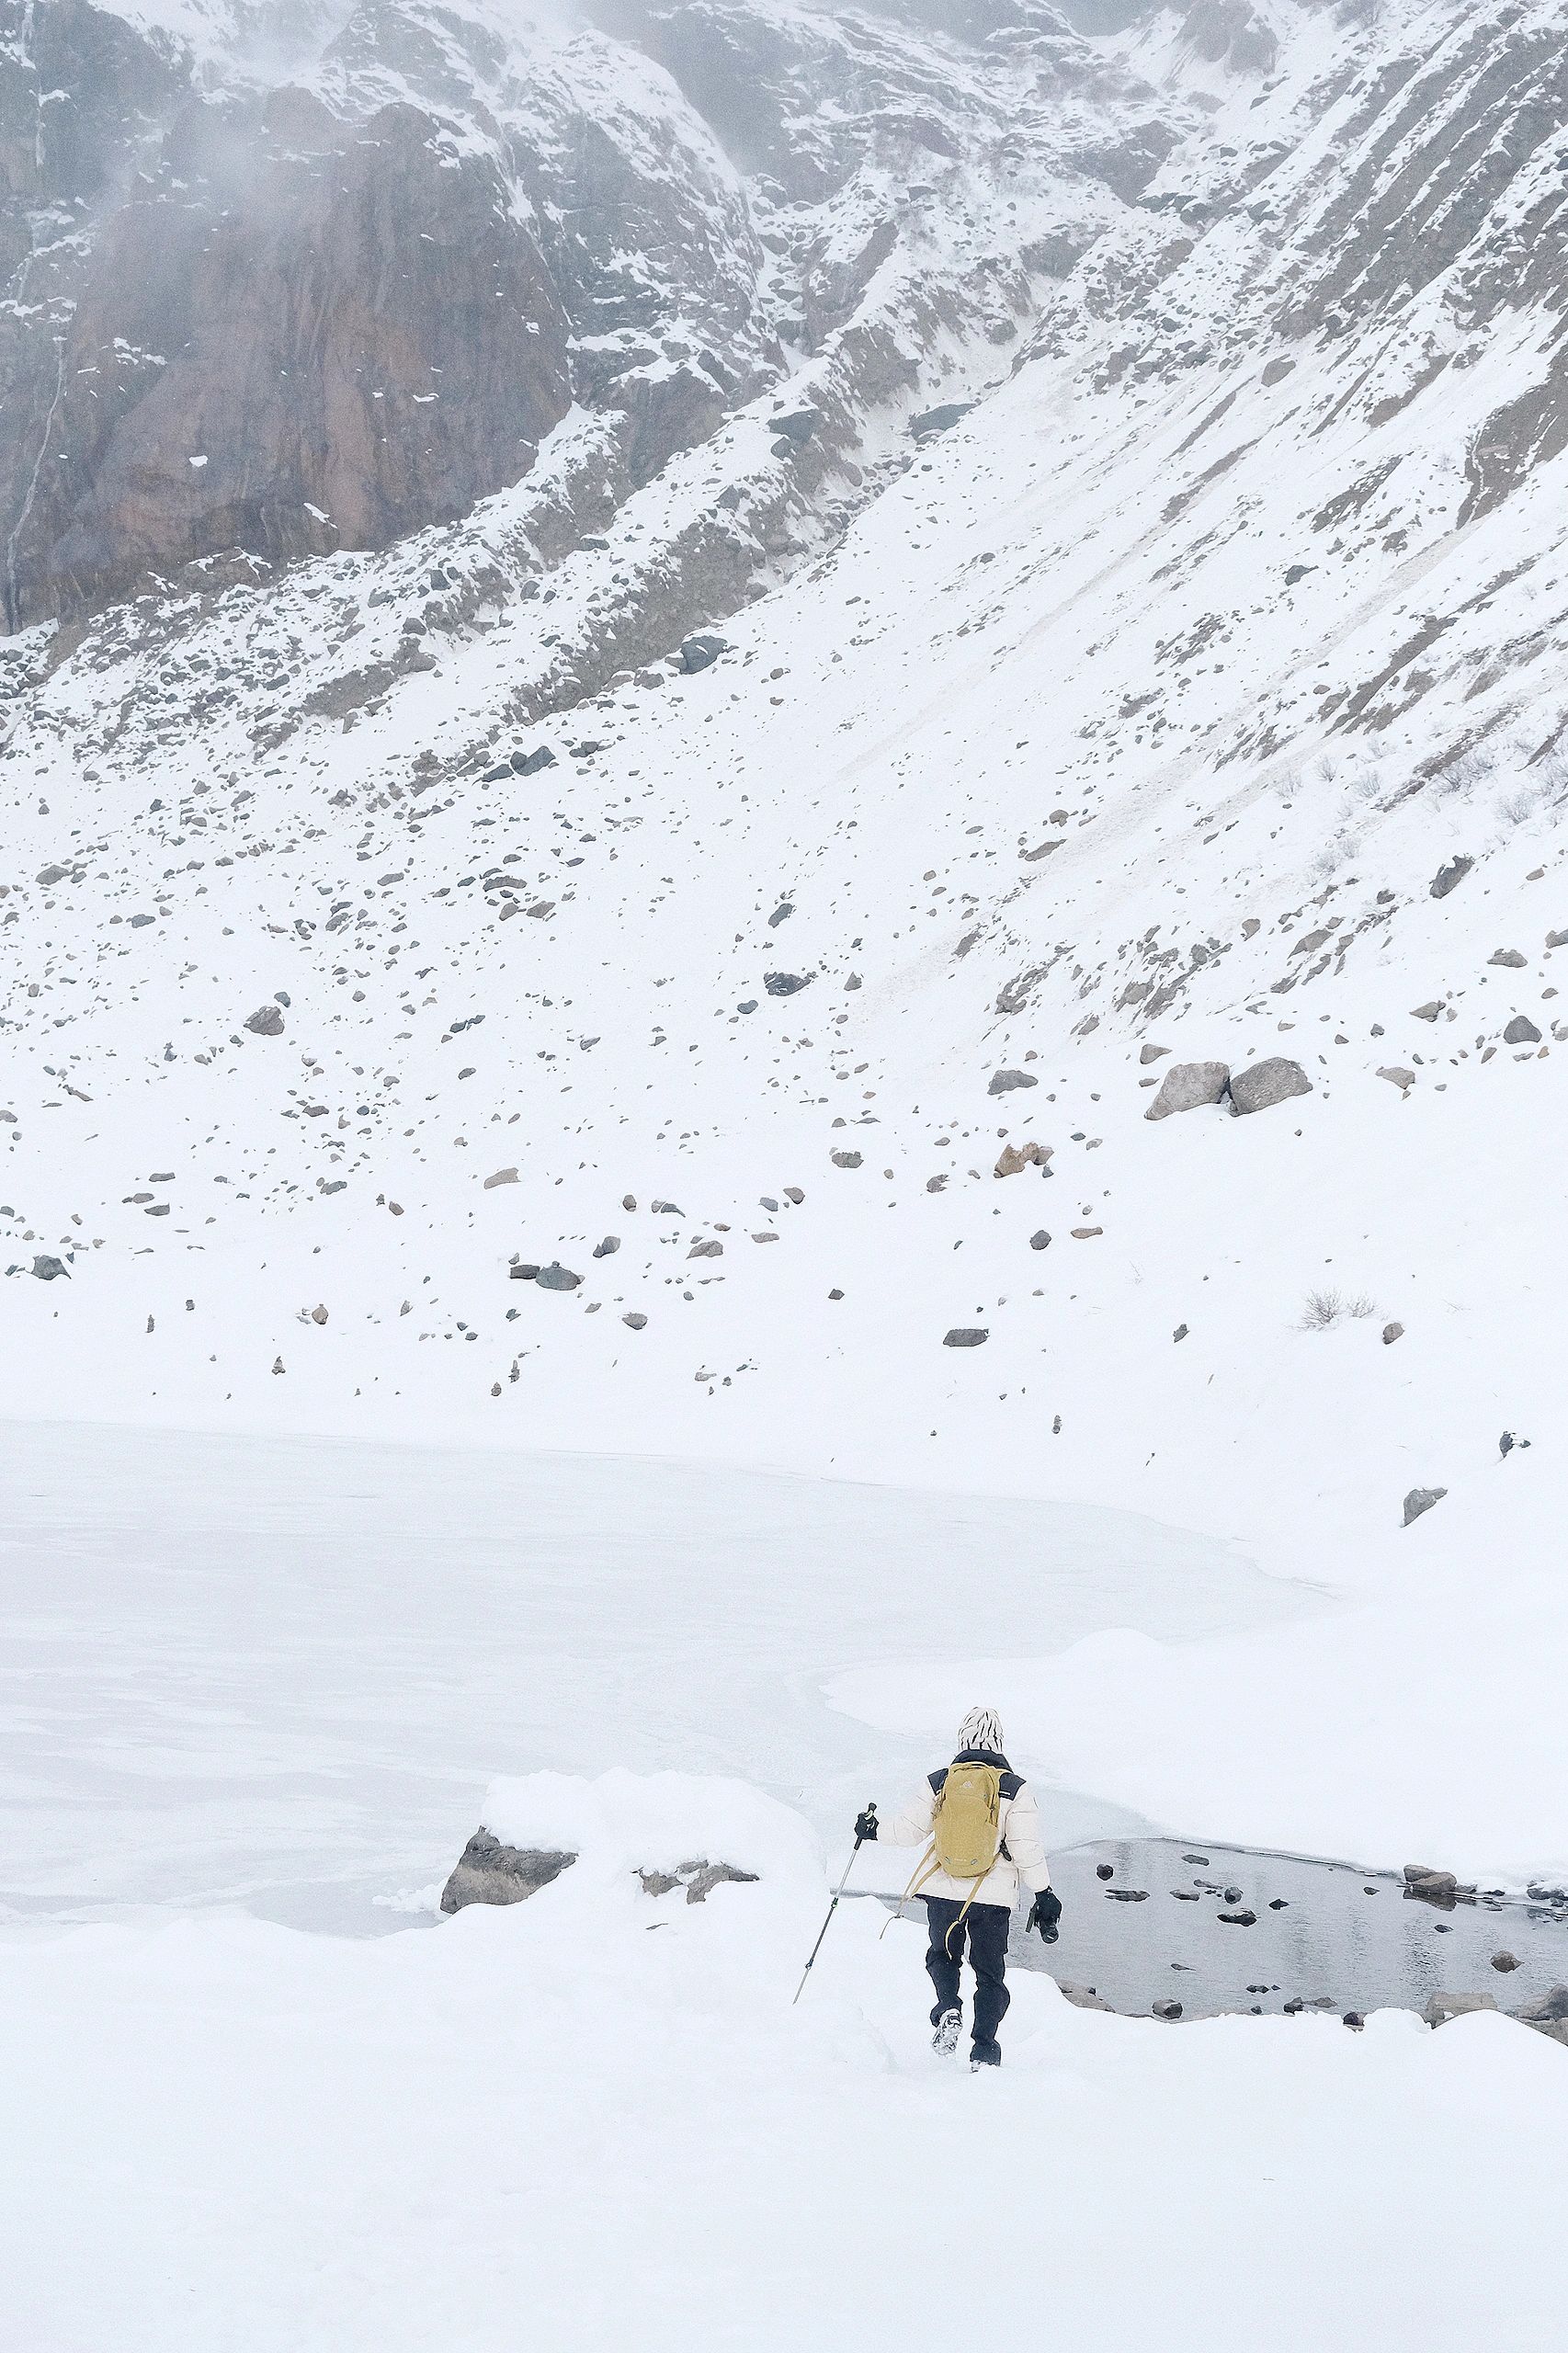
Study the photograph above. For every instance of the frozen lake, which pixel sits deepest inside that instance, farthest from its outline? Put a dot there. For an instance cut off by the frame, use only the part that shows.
(279, 1673)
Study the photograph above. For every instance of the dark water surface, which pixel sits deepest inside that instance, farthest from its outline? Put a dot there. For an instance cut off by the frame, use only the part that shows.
(1343, 1938)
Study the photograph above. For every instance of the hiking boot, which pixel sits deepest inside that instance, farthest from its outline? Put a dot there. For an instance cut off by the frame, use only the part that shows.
(946, 2039)
(984, 2055)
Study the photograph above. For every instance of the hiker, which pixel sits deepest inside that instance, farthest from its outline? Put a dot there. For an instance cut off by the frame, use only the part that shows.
(980, 1825)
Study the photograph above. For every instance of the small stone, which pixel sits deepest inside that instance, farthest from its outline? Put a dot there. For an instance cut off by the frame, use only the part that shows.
(1014, 1158)
(555, 1277)
(786, 984)
(1505, 1963)
(1421, 1499)
(1510, 958)
(1040, 1241)
(608, 1247)
(1238, 1919)
(1105, 1870)
(318, 1315)
(502, 1176)
(1397, 1075)
(966, 1336)
(1353, 2019)
(1180, 1332)
(633, 1321)
(794, 1193)
(1393, 1332)
(1521, 1032)
(781, 914)
(48, 1269)
(522, 1272)
(1186, 1086)
(1004, 1082)
(1147, 1054)
(846, 1159)
(629, 1200)
(266, 1021)
(1557, 939)
(1170, 2011)
(1087, 1232)
(1429, 1011)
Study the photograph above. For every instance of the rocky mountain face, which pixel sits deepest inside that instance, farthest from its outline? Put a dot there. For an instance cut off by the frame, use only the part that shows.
(669, 672)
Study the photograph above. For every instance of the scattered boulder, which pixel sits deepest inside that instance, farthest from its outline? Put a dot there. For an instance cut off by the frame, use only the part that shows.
(1449, 878)
(1397, 1075)
(48, 1269)
(1188, 1086)
(530, 762)
(633, 1321)
(1267, 1082)
(698, 652)
(1147, 1054)
(608, 1247)
(555, 1277)
(781, 914)
(522, 1272)
(1521, 1032)
(1509, 958)
(846, 1159)
(1504, 1964)
(266, 1021)
(1004, 1082)
(1040, 1241)
(1428, 1886)
(1016, 1157)
(787, 984)
(1429, 1011)
(1393, 1332)
(1169, 2011)
(502, 1176)
(966, 1336)
(488, 1873)
(1238, 1919)
(1421, 1499)
(1557, 939)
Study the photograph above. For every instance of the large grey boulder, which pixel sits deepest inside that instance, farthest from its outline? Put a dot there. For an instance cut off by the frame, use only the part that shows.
(1187, 1086)
(1267, 1082)
(1421, 1499)
(488, 1873)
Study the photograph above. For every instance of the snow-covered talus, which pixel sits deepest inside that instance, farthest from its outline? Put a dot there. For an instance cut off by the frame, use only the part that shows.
(1139, 708)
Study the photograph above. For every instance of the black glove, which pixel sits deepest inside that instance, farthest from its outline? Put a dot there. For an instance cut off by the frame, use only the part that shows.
(866, 1824)
(1045, 1913)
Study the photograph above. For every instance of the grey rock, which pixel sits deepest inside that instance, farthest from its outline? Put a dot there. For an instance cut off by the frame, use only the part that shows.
(702, 1878)
(266, 1021)
(1040, 1241)
(1169, 2011)
(1186, 1086)
(966, 1336)
(634, 1322)
(555, 1277)
(530, 762)
(1550, 2010)
(1449, 878)
(1504, 1964)
(786, 984)
(608, 1247)
(781, 914)
(1393, 1332)
(1014, 1158)
(1510, 958)
(939, 420)
(523, 1272)
(1521, 1032)
(501, 1176)
(48, 1269)
(698, 652)
(1421, 1499)
(1429, 1885)
(1397, 1075)
(797, 428)
(1148, 1054)
(1004, 1082)
(1267, 1082)
(488, 1873)
(1557, 939)
(847, 1160)
(48, 876)
(1429, 1011)
(1444, 2006)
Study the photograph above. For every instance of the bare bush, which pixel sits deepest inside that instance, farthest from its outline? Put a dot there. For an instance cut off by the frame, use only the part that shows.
(1322, 1311)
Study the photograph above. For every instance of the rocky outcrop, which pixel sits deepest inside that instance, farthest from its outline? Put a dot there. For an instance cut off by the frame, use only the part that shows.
(489, 1872)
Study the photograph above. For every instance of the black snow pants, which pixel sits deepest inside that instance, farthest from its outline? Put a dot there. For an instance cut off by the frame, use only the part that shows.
(985, 1931)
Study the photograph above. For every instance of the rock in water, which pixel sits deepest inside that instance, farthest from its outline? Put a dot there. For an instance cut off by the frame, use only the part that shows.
(488, 1873)
(1421, 1499)
(1186, 1086)
(1267, 1082)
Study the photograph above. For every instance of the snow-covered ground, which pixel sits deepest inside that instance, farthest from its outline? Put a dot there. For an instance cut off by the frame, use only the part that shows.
(595, 2120)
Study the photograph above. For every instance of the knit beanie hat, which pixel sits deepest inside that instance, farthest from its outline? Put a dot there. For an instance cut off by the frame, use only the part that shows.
(982, 1728)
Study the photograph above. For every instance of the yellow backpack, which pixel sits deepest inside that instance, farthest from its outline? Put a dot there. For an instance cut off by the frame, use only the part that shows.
(966, 1831)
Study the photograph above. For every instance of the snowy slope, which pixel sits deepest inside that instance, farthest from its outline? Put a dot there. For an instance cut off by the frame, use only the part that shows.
(1142, 706)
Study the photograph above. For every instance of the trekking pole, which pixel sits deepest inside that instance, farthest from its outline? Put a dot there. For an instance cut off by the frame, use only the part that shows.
(832, 1908)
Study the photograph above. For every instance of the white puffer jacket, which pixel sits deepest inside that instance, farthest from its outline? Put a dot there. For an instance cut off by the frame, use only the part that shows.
(1022, 1856)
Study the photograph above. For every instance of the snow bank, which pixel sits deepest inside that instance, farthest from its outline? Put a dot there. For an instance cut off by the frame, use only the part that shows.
(625, 1822)
(600, 2109)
